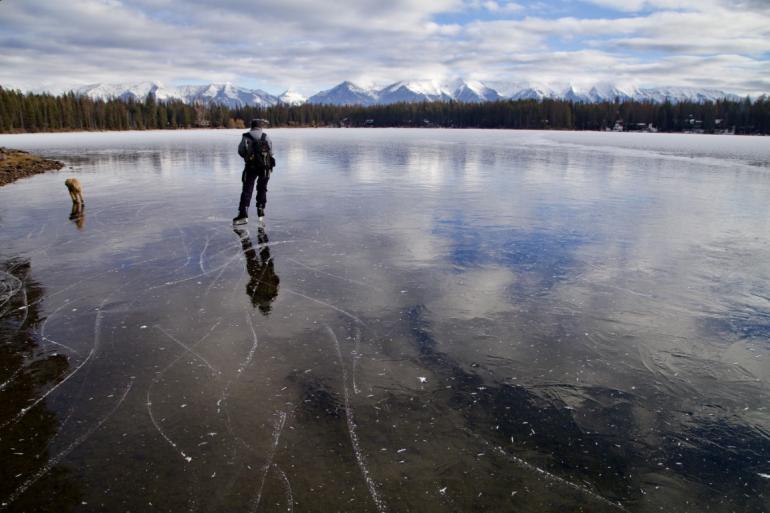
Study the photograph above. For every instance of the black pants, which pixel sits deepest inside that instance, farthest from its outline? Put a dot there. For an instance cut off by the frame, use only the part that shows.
(250, 175)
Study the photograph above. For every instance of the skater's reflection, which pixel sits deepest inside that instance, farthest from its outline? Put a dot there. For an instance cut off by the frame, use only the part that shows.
(78, 215)
(262, 287)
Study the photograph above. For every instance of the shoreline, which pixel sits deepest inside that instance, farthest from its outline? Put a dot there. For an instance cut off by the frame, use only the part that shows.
(332, 127)
(18, 164)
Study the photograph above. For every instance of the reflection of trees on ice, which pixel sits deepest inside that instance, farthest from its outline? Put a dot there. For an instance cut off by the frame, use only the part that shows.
(35, 366)
(10, 285)
(94, 348)
(52, 462)
(28, 367)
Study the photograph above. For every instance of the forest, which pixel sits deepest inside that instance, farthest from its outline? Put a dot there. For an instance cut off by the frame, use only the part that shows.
(31, 112)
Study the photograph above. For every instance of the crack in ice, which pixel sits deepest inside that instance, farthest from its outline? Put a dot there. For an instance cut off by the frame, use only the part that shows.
(188, 349)
(64, 453)
(287, 488)
(276, 437)
(553, 477)
(94, 348)
(352, 431)
(340, 310)
(157, 379)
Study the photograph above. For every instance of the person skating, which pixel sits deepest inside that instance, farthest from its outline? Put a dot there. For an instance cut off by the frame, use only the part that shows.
(256, 149)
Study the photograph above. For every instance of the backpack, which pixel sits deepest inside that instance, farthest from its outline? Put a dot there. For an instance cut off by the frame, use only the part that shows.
(258, 153)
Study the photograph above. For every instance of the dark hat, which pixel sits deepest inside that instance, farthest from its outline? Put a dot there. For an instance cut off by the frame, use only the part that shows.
(258, 123)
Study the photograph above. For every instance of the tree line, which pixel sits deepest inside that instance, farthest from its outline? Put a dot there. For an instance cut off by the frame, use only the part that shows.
(32, 112)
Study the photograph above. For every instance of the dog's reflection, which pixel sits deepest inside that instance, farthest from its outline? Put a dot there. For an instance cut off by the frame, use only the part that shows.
(78, 215)
(262, 287)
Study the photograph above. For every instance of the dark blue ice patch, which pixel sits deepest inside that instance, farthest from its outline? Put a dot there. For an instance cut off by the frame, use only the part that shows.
(722, 453)
(548, 257)
(748, 329)
(741, 324)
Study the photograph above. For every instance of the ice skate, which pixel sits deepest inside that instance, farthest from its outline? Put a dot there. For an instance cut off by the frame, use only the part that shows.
(240, 219)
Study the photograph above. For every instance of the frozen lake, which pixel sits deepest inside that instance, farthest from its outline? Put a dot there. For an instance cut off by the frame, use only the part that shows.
(430, 320)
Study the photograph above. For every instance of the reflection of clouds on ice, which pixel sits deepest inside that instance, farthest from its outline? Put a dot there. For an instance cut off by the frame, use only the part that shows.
(292, 156)
(710, 150)
(425, 167)
(415, 246)
(475, 293)
(586, 309)
(473, 170)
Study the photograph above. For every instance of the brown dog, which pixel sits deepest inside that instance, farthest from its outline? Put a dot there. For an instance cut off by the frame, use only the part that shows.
(75, 190)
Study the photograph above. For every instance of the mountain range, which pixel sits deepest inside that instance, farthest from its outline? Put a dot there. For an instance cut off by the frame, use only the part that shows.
(226, 94)
(348, 93)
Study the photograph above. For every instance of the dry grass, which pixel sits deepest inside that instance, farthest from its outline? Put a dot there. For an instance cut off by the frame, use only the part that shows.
(16, 164)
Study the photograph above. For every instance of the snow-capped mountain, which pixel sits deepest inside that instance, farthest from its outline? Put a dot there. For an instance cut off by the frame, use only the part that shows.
(136, 92)
(290, 97)
(414, 91)
(222, 94)
(230, 96)
(523, 90)
(573, 94)
(473, 92)
(533, 93)
(609, 92)
(606, 91)
(681, 94)
(346, 93)
(457, 89)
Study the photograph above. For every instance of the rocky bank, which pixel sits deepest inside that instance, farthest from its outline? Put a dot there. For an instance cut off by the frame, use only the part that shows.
(16, 164)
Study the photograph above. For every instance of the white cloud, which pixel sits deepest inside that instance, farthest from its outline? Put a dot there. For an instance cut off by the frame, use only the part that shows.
(312, 45)
(638, 5)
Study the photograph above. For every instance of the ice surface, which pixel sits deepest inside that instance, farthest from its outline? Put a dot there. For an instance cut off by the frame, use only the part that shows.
(432, 320)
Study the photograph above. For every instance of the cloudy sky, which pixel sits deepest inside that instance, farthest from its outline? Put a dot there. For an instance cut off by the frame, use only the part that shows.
(313, 45)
